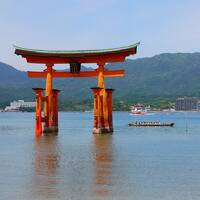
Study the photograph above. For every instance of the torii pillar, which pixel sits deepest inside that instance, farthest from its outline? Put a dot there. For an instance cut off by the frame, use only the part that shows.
(55, 109)
(38, 111)
(48, 106)
(102, 105)
(110, 108)
(50, 102)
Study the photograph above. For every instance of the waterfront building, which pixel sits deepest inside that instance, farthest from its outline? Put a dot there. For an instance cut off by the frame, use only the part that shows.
(22, 103)
(187, 104)
(16, 105)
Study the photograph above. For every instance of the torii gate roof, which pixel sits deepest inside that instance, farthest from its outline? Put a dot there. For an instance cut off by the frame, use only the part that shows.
(76, 56)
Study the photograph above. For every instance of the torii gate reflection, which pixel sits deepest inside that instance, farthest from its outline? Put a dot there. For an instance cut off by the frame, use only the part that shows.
(102, 96)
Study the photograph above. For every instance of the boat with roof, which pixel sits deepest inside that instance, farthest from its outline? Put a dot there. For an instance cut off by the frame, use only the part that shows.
(154, 123)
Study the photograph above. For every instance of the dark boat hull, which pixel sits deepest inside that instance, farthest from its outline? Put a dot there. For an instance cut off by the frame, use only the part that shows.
(151, 125)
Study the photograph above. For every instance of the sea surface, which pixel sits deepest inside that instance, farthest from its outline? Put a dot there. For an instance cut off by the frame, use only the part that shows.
(136, 163)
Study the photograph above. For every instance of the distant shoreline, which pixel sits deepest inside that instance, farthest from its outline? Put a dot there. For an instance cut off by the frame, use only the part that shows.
(159, 111)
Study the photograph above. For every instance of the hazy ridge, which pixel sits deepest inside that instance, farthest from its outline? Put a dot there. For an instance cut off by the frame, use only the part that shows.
(161, 76)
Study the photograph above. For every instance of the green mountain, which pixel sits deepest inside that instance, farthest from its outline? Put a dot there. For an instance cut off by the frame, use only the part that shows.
(164, 76)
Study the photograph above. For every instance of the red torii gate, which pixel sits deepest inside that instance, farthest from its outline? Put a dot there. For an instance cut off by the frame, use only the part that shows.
(102, 96)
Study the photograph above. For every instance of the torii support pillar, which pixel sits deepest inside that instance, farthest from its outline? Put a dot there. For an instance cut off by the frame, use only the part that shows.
(100, 121)
(97, 112)
(54, 114)
(38, 112)
(110, 109)
(48, 105)
(51, 114)
(55, 109)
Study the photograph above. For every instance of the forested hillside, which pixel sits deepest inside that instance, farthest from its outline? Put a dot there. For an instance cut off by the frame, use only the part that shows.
(162, 77)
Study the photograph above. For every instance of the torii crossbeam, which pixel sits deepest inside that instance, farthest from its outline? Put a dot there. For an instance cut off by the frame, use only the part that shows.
(102, 96)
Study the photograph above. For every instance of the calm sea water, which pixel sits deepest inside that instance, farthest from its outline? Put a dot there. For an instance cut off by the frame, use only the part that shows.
(133, 163)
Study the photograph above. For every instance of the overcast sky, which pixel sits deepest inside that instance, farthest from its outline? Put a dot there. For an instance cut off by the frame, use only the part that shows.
(161, 26)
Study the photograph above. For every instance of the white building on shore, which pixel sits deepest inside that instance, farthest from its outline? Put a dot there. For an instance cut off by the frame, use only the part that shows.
(16, 105)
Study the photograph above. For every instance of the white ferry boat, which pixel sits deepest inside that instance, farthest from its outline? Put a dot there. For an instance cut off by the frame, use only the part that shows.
(138, 109)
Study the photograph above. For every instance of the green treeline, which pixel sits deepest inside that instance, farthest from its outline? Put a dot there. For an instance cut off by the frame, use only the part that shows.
(155, 81)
